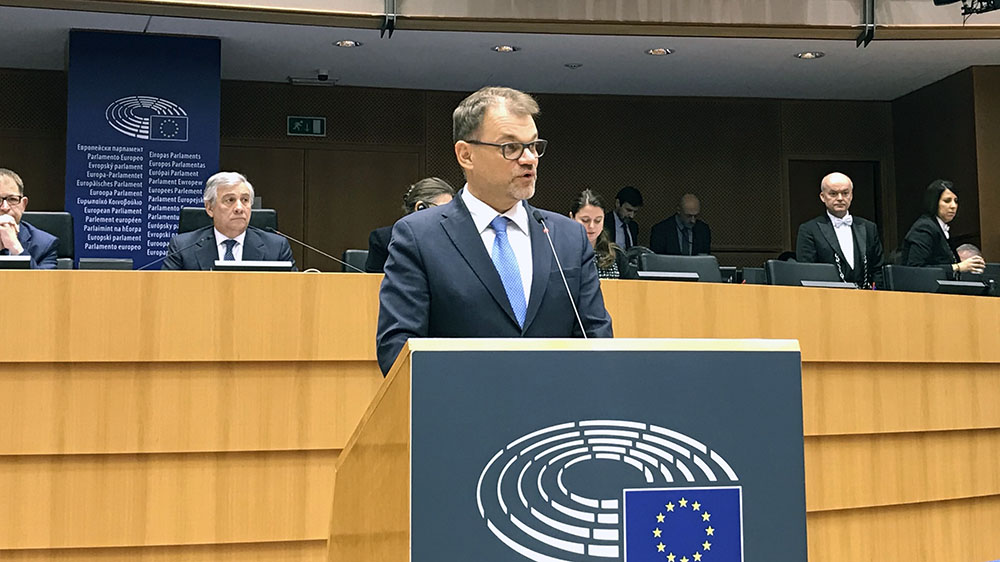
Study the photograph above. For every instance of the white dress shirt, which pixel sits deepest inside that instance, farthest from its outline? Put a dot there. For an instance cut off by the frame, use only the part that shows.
(237, 249)
(944, 227)
(845, 236)
(517, 233)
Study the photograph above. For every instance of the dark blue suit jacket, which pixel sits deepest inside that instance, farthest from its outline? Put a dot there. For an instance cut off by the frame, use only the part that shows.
(40, 245)
(440, 282)
(196, 250)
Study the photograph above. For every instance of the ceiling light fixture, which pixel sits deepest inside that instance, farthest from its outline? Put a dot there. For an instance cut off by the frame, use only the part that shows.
(573, 65)
(810, 55)
(348, 43)
(659, 52)
(506, 48)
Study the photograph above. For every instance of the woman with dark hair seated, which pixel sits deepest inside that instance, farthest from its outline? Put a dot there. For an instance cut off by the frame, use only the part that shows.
(610, 258)
(426, 193)
(926, 244)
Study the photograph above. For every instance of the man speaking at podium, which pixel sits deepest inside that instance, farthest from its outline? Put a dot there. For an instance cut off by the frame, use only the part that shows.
(481, 266)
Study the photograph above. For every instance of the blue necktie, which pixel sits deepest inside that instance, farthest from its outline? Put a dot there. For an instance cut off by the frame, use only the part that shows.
(230, 244)
(506, 264)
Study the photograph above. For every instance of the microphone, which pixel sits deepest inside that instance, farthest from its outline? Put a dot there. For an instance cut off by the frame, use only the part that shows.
(317, 250)
(174, 253)
(541, 220)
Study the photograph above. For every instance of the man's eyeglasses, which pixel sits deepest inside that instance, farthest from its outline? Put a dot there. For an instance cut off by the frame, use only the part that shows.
(11, 199)
(514, 150)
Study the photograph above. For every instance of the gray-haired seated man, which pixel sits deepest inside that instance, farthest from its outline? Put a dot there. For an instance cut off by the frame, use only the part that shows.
(228, 198)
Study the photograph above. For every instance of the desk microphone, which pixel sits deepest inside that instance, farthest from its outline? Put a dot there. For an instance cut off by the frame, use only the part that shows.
(541, 220)
(175, 252)
(317, 250)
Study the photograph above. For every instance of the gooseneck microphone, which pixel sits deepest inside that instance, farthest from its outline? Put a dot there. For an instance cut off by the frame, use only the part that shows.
(175, 252)
(317, 250)
(541, 220)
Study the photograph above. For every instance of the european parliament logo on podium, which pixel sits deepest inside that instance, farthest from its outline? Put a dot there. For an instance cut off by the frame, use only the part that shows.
(683, 524)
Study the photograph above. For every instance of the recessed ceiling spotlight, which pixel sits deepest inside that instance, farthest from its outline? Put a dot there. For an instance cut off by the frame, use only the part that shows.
(810, 55)
(573, 65)
(659, 52)
(506, 48)
(348, 43)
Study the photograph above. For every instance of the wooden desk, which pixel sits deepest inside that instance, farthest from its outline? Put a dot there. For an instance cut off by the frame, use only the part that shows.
(197, 416)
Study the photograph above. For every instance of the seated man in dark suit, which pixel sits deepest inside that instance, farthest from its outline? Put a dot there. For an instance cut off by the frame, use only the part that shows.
(683, 233)
(426, 193)
(18, 237)
(228, 198)
(850, 243)
(481, 266)
(620, 221)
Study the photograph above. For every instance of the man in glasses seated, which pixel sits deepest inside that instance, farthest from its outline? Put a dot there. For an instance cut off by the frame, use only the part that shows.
(228, 199)
(482, 266)
(17, 237)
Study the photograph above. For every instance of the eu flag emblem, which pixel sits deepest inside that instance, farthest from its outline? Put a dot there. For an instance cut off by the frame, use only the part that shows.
(168, 127)
(684, 525)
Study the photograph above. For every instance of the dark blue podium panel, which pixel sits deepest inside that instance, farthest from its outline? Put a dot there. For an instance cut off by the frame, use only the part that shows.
(676, 456)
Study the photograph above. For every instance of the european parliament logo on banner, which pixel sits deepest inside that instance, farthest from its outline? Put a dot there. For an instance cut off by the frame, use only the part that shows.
(148, 118)
(683, 525)
(168, 127)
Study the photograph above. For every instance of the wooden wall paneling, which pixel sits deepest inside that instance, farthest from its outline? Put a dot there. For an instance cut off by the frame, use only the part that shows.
(277, 175)
(349, 193)
(948, 530)
(284, 551)
(86, 408)
(41, 163)
(861, 398)
(134, 500)
(853, 471)
(987, 93)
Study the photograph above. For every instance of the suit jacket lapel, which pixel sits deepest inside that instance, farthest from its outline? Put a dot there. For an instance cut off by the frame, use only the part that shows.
(826, 227)
(253, 246)
(862, 237)
(206, 251)
(541, 263)
(460, 228)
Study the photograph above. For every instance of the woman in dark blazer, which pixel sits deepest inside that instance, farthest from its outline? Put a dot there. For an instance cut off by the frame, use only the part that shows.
(926, 244)
(426, 193)
(609, 257)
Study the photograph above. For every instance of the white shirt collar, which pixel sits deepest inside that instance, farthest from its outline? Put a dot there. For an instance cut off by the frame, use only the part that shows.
(834, 220)
(483, 214)
(944, 226)
(220, 237)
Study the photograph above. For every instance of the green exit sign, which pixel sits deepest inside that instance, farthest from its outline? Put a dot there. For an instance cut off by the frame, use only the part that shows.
(306, 126)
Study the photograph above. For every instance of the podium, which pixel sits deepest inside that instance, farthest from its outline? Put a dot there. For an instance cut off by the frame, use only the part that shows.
(578, 450)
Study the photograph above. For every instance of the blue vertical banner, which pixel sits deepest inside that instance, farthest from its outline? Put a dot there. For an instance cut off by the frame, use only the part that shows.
(142, 136)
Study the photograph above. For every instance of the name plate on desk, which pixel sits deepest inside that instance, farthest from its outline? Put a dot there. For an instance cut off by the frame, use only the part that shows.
(590, 452)
(829, 284)
(668, 275)
(252, 265)
(15, 262)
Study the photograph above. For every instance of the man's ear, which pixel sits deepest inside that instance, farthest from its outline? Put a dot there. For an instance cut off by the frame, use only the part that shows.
(208, 209)
(463, 152)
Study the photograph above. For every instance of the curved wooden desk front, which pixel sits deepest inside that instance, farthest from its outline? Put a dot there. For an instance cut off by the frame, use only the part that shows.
(197, 416)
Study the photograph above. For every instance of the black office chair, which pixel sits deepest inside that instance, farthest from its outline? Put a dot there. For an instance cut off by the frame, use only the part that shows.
(58, 224)
(193, 218)
(754, 276)
(632, 255)
(791, 273)
(707, 267)
(357, 258)
(929, 280)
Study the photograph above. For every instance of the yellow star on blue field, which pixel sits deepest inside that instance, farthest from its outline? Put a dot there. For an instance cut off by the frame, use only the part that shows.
(659, 518)
(710, 531)
(670, 506)
(683, 502)
(696, 506)
(706, 545)
(660, 547)
(706, 516)
(684, 559)
(670, 557)
(657, 532)
(696, 556)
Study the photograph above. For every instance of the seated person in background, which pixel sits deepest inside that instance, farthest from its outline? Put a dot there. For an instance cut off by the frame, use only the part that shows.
(609, 257)
(426, 193)
(228, 198)
(926, 244)
(682, 234)
(17, 237)
(966, 251)
(787, 256)
(620, 222)
(850, 243)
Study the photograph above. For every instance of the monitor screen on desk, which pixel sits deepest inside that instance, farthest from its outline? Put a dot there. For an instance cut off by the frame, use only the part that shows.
(15, 262)
(251, 265)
